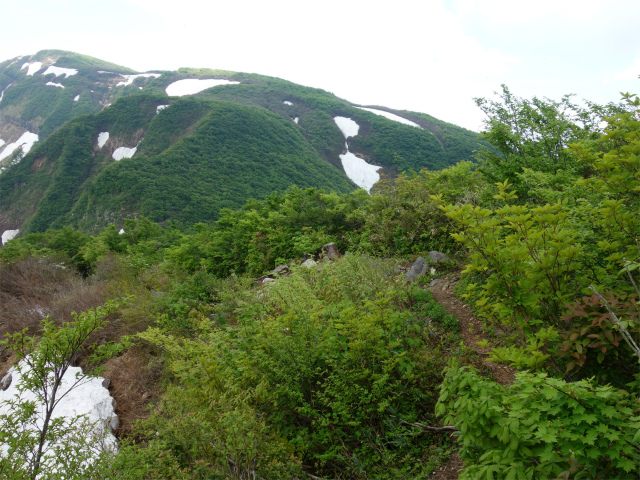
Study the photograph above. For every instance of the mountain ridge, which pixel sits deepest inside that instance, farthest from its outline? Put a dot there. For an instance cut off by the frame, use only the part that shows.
(76, 102)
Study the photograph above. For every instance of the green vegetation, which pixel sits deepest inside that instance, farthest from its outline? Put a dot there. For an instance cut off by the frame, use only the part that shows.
(343, 369)
(37, 442)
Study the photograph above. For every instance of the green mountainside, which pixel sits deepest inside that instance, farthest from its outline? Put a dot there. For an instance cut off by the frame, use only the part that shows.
(195, 154)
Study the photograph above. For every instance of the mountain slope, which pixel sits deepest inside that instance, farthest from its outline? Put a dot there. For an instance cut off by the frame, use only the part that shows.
(181, 145)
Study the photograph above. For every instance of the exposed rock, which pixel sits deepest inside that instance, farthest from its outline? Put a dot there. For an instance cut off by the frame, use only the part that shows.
(435, 281)
(105, 383)
(267, 280)
(157, 294)
(331, 251)
(419, 267)
(6, 381)
(280, 269)
(309, 263)
(435, 257)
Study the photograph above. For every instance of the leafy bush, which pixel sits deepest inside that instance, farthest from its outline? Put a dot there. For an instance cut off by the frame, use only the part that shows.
(541, 427)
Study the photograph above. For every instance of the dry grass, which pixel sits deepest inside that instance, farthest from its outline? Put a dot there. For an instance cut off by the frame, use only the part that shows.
(33, 288)
(134, 385)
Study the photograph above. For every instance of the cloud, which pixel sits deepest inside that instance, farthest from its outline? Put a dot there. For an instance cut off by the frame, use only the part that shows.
(632, 72)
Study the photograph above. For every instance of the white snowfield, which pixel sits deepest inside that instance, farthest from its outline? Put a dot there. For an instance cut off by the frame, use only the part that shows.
(358, 170)
(32, 67)
(130, 78)
(89, 398)
(9, 235)
(124, 152)
(57, 71)
(161, 107)
(391, 116)
(55, 84)
(26, 141)
(191, 86)
(102, 139)
(76, 98)
(296, 120)
(2, 142)
(348, 127)
(2, 93)
(287, 102)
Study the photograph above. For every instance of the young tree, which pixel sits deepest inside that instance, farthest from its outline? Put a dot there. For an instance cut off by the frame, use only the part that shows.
(36, 443)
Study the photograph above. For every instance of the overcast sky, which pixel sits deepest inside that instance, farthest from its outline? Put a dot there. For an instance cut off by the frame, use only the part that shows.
(432, 56)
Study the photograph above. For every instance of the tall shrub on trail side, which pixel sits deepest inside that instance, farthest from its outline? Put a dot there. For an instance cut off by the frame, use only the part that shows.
(539, 260)
(562, 279)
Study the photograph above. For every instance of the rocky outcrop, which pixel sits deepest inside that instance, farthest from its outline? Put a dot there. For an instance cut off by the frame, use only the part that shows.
(418, 267)
(435, 257)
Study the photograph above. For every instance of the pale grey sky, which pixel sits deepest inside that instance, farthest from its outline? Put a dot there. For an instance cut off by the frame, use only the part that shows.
(431, 56)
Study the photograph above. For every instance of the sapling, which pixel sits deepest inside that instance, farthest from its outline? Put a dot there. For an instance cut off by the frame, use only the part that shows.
(30, 431)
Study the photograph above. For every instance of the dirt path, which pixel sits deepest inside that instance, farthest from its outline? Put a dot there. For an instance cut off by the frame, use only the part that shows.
(471, 332)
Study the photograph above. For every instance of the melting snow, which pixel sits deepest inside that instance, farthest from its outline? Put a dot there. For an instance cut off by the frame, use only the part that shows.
(130, 78)
(102, 139)
(191, 86)
(26, 141)
(33, 67)
(391, 116)
(57, 71)
(76, 98)
(121, 231)
(55, 84)
(6, 236)
(2, 93)
(349, 127)
(360, 172)
(124, 152)
(295, 120)
(161, 107)
(89, 398)
(2, 142)
(287, 102)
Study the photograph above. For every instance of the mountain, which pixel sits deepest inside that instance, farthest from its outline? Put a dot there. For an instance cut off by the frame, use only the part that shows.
(87, 143)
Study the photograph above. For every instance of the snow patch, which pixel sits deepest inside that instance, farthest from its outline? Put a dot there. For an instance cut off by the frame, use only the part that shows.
(76, 98)
(55, 84)
(102, 139)
(2, 93)
(57, 71)
(32, 67)
(124, 152)
(191, 86)
(287, 102)
(161, 107)
(89, 398)
(121, 231)
(8, 235)
(2, 142)
(26, 141)
(295, 120)
(391, 116)
(130, 78)
(360, 172)
(348, 127)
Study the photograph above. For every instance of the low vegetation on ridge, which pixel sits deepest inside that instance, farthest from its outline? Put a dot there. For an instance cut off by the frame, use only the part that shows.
(339, 369)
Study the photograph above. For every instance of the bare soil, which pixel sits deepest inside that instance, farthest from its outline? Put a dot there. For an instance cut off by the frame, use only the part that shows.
(471, 332)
